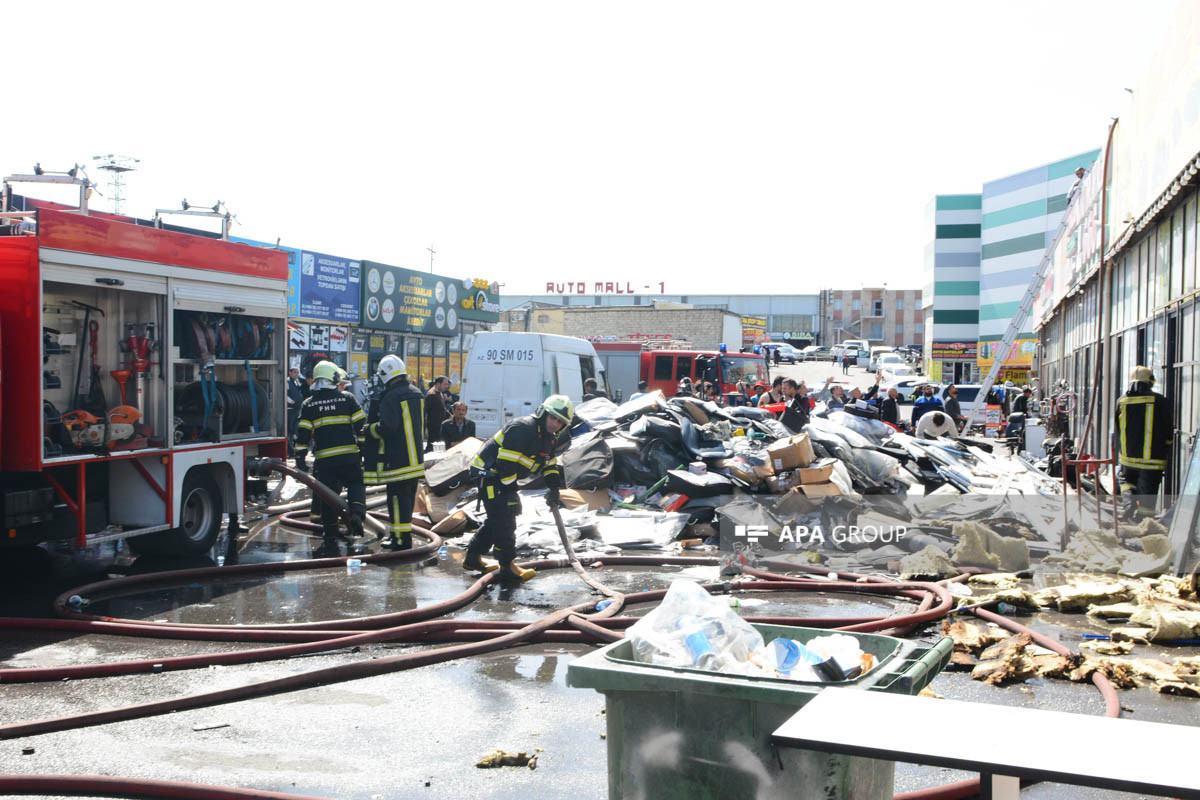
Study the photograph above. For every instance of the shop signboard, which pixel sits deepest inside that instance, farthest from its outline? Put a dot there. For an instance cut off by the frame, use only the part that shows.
(754, 330)
(962, 350)
(399, 299)
(339, 338)
(358, 364)
(478, 300)
(1020, 354)
(991, 421)
(455, 372)
(329, 288)
(297, 336)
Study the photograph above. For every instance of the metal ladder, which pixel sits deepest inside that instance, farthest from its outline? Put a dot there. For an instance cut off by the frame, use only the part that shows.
(1024, 308)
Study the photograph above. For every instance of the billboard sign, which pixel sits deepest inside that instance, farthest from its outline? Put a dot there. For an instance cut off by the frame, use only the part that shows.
(478, 300)
(1020, 355)
(293, 270)
(399, 299)
(329, 288)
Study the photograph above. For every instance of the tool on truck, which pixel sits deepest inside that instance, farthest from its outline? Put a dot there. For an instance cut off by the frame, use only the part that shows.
(193, 330)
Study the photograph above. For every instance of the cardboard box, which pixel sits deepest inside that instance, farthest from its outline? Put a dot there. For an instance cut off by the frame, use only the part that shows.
(779, 484)
(795, 451)
(455, 524)
(793, 503)
(743, 470)
(820, 490)
(434, 507)
(819, 472)
(594, 499)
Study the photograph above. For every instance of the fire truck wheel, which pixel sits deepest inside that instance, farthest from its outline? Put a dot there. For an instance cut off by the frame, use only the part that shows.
(199, 520)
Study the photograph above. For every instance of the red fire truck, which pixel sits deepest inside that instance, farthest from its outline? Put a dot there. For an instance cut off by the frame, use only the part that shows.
(663, 369)
(140, 369)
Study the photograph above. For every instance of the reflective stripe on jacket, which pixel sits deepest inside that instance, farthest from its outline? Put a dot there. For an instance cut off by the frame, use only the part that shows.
(329, 421)
(522, 448)
(1145, 428)
(394, 439)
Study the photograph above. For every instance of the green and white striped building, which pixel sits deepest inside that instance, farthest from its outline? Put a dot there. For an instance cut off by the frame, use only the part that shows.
(1021, 213)
(950, 296)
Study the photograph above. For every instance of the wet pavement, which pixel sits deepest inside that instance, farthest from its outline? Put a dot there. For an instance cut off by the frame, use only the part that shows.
(416, 733)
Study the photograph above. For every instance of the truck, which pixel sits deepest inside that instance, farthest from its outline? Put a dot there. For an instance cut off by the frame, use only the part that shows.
(622, 367)
(142, 369)
(663, 369)
(508, 375)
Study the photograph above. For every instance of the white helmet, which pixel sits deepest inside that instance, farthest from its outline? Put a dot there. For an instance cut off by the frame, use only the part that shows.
(390, 366)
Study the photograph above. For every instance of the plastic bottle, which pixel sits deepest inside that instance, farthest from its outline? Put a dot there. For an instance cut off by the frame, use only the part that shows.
(353, 565)
(603, 604)
(76, 602)
(220, 561)
(443, 553)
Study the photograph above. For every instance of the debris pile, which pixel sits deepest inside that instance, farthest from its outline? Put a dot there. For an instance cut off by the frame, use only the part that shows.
(654, 471)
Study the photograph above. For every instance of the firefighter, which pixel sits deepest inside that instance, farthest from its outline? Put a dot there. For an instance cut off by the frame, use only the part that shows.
(1144, 429)
(330, 421)
(393, 448)
(525, 446)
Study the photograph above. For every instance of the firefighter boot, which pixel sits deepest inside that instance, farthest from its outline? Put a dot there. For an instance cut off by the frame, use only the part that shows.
(329, 548)
(515, 573)
(393, 542)
(473, 563)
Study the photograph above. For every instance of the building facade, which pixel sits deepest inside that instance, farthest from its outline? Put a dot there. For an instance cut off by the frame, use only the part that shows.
(1021, 214)
(950, 298)
(703, 328)
(790, 318)
(882, 316)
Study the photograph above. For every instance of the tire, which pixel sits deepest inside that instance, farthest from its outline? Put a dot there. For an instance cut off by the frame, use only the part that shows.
(199, 517)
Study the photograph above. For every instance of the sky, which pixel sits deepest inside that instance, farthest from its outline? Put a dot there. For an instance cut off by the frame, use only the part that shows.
(712, 147)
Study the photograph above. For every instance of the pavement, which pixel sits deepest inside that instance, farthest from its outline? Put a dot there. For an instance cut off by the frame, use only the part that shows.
(416, 733)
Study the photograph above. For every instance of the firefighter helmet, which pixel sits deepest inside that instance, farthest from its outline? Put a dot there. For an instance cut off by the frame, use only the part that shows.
(558, 406)
(326, 370)
(1142, 375)
(390, 366)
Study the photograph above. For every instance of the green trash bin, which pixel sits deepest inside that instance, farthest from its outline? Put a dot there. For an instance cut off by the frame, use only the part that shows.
(678, 732)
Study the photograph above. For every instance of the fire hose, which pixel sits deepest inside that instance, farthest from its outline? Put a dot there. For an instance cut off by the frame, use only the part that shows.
(580, 623)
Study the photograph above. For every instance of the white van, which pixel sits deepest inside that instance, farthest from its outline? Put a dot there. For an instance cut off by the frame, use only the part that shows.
(508, 375)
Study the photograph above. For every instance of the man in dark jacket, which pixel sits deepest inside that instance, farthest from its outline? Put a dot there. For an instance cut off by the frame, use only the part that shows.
(889, 407)
(526, 446)
(435, 409)
(330, 421)
(458, 427)
(795, 413)
(392, 449)
(1144, 433)
(591, 390)
(928, 401)
(297, 390)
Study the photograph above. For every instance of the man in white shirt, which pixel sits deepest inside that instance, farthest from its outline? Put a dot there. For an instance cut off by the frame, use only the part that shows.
(935, 424)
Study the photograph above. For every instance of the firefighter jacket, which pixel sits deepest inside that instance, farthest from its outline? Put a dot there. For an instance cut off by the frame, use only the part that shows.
(329, 421)
(524, 447)
(1145, 427)
(394, 441)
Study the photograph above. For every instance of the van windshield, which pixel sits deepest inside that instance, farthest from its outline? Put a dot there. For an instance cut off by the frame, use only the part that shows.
(738, 368)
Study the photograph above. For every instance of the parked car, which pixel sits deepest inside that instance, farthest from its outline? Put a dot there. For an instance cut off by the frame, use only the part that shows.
(968, 393)
(875, 354)
(909, 386)
(816, 352)
(885, 360)
(895, 372)
(787, 353)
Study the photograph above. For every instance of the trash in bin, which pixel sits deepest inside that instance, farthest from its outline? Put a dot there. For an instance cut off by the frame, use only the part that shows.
(693, 629)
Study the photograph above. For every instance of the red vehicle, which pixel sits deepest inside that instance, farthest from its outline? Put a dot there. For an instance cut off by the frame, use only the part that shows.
(663, 369)
(141, 368)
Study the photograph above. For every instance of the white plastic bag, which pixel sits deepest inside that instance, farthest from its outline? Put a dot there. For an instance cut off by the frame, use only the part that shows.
(691, 628)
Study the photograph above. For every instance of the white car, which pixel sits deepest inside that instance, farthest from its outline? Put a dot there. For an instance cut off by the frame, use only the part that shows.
(894, 372)
(967, 395)
(909, 387)
(885, 360)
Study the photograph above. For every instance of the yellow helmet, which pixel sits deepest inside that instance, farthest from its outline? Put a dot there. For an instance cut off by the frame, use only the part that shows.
(1142, 375)
(325, 370)
(559, 406)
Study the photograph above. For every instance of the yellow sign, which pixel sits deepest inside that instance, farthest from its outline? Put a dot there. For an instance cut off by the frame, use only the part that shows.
(935, 371)
(1020, 355)
(358, 364)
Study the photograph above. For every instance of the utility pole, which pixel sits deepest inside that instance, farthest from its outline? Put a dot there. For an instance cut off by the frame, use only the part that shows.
(432, 253)
(116, 166)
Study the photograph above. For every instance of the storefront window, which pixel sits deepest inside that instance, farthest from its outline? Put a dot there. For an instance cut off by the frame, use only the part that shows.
(1162, 272)
(1177, 266)
(1189, 245)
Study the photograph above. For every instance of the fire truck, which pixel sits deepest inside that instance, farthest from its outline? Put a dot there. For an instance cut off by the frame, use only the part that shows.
(140, 369)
